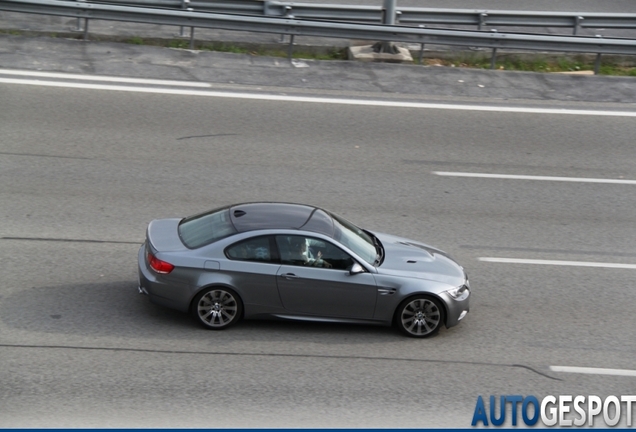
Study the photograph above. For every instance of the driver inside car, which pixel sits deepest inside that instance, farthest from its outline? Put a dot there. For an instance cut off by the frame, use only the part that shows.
(301, 254)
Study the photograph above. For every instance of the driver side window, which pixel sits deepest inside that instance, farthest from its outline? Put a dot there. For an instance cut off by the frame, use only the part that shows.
(312, 252)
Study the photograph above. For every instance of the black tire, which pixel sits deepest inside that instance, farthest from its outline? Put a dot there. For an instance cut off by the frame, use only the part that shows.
(419, 316)
(217, 308)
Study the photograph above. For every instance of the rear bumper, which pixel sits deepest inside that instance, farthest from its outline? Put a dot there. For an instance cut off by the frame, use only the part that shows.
(159, 291)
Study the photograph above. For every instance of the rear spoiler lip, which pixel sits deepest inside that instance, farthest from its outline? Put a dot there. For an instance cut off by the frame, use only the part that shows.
(162, 235)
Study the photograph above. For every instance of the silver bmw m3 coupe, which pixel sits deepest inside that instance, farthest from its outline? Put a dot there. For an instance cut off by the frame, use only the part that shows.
(298, 262)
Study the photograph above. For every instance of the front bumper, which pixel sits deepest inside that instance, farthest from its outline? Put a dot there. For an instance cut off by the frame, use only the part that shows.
(456, 310)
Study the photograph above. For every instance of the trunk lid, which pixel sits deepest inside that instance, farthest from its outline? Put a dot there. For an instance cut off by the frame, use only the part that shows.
(163, 235)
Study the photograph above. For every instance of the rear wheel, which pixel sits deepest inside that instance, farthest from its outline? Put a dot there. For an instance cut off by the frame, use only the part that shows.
(419, 317)
(217, 308)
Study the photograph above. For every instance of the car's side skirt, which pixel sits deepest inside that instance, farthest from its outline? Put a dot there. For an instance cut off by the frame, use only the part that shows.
(329, 319)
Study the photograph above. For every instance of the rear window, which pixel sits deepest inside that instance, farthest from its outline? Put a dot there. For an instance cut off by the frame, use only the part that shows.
(201, 230)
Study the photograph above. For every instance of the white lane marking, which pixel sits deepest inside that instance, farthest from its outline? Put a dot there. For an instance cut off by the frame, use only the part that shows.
(529, 177)
(593, 371)
(558, 263)
(104, 78)
(272, 97)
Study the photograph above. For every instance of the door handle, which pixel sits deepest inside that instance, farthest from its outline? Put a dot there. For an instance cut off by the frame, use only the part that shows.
(289, 276)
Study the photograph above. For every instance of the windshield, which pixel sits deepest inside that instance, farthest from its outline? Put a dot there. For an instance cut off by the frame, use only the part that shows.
(356, 239)
(200, 230)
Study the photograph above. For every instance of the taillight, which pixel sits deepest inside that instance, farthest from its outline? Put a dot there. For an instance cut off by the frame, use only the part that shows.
(158, 265)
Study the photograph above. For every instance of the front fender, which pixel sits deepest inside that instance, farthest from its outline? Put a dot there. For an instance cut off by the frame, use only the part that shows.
(392, 292)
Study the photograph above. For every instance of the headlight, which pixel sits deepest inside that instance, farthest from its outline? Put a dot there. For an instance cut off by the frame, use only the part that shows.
(460, 293)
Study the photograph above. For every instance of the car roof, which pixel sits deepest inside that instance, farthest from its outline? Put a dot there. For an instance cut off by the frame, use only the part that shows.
(276, 215)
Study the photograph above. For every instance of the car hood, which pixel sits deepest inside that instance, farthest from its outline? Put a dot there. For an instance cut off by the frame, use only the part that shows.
(409, 258)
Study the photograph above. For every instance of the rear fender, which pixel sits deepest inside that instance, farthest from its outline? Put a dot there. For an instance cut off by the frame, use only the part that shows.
(214, 285)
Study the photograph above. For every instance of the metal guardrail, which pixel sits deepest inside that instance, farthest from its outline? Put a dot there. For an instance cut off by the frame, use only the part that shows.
(405, 15)
(296, 27)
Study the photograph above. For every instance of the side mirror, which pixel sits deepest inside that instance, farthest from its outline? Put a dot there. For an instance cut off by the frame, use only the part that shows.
(355, 269)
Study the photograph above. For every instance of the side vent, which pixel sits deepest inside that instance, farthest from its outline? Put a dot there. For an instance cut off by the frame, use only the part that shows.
(386, 291)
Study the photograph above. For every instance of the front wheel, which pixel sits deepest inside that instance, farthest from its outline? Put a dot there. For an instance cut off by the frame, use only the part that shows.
(419, 317)
(217, 308)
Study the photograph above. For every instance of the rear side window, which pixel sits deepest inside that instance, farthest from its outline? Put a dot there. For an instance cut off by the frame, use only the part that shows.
(200, 230)
(253, 249)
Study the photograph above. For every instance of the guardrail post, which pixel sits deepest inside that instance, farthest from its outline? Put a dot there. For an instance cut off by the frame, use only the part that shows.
(79, 21)
(388, 10)
(421, 56)
(493, 58)
(288, 11)
(482, 20)
(290, 49)
(267, 4)
(184, 6)
(597, 63)
(85, 29)
(577, 24)
(191, 37)
(388, 18)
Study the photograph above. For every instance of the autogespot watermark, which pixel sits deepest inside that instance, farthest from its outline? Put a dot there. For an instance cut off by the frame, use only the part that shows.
(562, 410)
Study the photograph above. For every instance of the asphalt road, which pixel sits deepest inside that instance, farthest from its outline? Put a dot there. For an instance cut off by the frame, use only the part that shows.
(82, 172)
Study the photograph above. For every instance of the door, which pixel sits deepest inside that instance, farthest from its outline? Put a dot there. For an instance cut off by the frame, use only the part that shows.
(314, 279)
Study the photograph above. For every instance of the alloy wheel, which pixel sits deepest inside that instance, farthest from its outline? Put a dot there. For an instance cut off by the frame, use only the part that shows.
(217, 308)
(420, 317)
